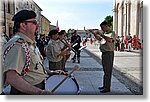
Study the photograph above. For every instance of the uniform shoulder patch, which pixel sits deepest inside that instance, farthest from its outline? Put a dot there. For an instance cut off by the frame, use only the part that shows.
(20, 40)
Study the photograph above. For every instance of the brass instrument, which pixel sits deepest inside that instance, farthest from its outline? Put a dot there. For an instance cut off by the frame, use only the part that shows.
(99, 33)
(67, 44)
(103, 41)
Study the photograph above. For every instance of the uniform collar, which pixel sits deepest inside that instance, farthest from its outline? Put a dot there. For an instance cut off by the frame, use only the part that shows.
(53, 40)
(30, 41)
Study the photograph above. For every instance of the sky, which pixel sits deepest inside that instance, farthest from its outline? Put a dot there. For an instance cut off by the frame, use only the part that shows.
(76, 14)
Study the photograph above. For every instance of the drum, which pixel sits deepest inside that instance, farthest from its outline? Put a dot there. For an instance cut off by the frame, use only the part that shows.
(68, 87)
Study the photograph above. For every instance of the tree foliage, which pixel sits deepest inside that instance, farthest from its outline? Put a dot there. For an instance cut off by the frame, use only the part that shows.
(109, 19)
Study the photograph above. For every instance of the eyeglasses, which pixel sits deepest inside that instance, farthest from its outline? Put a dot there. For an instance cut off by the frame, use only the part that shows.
(34, 22)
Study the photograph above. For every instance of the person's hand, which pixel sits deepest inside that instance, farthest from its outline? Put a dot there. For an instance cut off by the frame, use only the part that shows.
(45, 92)
(91, 30)
(60, 72)
(68, 50)
(100, 33)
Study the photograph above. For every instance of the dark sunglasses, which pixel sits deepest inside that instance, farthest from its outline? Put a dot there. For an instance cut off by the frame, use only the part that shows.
(34, 22)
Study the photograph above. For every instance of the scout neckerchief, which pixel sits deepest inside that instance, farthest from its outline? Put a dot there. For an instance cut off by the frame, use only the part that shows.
(25, 46)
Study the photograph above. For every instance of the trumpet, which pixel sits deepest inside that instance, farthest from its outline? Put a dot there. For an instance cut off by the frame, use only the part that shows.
(100, 33)
(65, 42)
(104, 37)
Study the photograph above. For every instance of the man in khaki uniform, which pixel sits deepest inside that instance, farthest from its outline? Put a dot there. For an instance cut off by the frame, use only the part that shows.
(3, 41)
(3, 36)
(54, 51)
(22, 63)
(107, 49)
(63, 44)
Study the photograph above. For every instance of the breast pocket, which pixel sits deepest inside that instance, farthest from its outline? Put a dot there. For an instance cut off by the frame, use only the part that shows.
(34, 61)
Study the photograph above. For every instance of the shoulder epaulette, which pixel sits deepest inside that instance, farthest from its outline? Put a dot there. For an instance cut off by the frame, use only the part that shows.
(20, 40)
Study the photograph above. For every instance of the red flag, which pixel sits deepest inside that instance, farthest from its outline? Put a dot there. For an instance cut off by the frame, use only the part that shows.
(57, 27)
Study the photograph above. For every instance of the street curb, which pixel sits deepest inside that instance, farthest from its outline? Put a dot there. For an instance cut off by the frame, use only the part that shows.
(134, 51)
(129, 81)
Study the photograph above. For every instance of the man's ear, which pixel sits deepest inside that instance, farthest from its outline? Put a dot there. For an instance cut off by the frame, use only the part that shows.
(22, 25)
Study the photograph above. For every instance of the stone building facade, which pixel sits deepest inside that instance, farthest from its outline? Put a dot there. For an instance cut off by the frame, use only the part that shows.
(45, 25)
(29, 5)
(128, 17)
(7, 10)
(10, 7)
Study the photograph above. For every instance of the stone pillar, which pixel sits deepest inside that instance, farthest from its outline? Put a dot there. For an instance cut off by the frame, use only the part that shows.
(116, 18)
(121, 21)
(128, 18)
(115, 21)
(141, 21)
(137, 19)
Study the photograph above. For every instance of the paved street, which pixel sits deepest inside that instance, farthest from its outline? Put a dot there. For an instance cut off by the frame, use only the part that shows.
(128, 68)
(127, 76)
(89, 77)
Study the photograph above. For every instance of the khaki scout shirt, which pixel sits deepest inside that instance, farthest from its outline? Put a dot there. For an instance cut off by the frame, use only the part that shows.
(15, 59)
(53, 50)
(108, 46)
(61, 44)
(2, 39)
